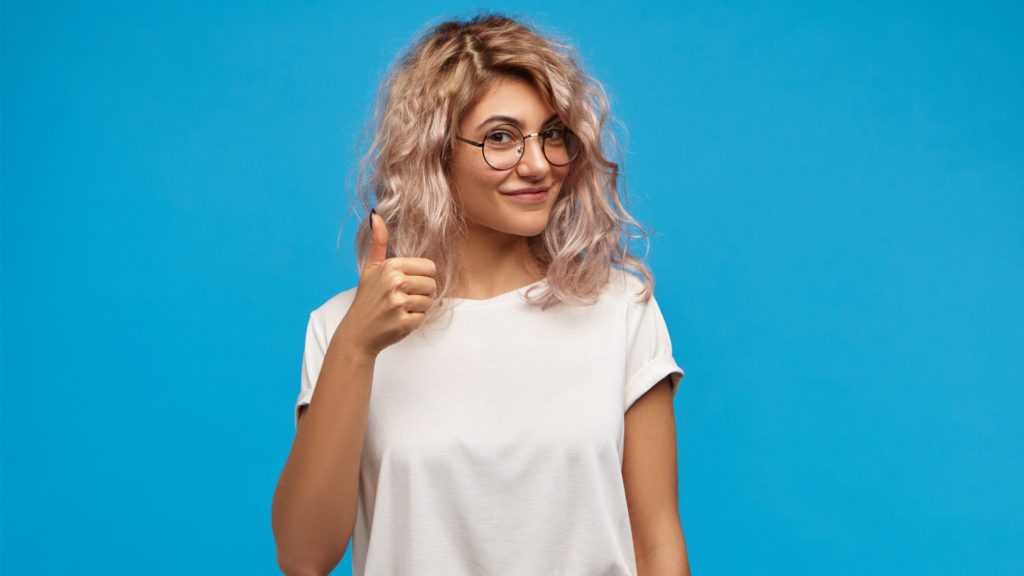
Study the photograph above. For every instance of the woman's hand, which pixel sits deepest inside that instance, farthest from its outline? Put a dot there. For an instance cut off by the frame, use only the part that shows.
(392, 297)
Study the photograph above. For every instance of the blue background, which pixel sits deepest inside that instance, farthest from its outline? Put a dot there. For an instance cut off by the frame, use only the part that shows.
(838, 191)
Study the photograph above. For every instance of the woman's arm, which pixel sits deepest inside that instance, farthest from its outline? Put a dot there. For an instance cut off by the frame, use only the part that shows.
(317, 496)
(649, 471)
(315, 504)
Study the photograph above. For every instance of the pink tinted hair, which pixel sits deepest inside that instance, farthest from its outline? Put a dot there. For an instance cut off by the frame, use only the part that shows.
(416, 118)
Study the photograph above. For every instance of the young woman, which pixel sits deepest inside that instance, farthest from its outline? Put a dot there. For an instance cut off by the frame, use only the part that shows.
(495, 396)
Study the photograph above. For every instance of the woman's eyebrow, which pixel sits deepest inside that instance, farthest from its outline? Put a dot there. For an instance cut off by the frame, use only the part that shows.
(550, 120)
(514, 121)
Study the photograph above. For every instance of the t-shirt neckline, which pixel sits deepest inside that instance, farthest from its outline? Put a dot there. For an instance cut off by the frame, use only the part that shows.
(473, 302)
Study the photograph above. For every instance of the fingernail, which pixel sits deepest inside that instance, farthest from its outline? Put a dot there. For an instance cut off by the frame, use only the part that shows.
(372, 212)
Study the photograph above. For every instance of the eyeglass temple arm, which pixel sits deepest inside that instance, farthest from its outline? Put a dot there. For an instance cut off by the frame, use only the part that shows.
(477, 144)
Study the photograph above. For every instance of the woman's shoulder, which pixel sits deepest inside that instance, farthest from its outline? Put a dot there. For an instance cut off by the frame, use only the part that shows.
(335, 308)
(624, 284)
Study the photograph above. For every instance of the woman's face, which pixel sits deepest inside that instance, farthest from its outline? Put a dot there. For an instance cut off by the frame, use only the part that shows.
(517, 201)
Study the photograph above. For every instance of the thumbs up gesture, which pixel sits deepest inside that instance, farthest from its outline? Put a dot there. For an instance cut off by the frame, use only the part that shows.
(392, 297)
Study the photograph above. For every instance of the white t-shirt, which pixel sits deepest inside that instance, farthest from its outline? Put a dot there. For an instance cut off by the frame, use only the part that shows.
(494, 440)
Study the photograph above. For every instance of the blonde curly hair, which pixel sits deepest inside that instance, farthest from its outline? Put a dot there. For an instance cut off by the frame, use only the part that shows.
(405, 170)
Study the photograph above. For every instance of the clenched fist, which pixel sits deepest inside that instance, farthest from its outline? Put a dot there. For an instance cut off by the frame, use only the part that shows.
(392, 297)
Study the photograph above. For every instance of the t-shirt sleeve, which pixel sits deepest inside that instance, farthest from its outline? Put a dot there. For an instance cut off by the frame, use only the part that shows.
(648, 351)
(312, 361)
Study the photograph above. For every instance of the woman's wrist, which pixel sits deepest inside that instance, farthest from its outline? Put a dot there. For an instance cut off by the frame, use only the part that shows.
(356, 350)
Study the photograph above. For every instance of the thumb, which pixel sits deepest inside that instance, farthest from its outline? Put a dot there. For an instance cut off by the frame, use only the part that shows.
(377, 251)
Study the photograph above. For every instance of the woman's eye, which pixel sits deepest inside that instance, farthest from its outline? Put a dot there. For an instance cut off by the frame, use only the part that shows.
(554, 133)
(500, 138)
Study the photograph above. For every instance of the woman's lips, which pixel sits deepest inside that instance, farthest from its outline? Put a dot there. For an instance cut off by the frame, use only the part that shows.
(536, 194)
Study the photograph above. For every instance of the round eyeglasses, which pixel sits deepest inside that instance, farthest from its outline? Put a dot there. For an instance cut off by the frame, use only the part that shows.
(504, 145)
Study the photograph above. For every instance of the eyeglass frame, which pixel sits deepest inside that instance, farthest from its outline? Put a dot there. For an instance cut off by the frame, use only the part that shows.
(523, 137)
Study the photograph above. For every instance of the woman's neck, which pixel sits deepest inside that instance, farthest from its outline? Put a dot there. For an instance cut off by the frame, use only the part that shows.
(493, 263)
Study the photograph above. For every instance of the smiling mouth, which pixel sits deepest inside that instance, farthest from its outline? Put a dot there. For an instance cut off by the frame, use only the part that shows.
(535, 194)
(528, 192)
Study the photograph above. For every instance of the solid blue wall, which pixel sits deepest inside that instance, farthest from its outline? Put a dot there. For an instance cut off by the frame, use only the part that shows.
(838, 194)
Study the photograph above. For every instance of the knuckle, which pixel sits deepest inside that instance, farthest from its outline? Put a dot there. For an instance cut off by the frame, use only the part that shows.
(396, 300)
(395, 281)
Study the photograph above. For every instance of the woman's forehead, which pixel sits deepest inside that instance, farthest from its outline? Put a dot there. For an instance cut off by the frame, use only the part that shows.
(511, 101)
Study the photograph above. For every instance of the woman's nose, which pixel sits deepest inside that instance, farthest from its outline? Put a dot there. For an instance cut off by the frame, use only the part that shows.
(533, 164)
